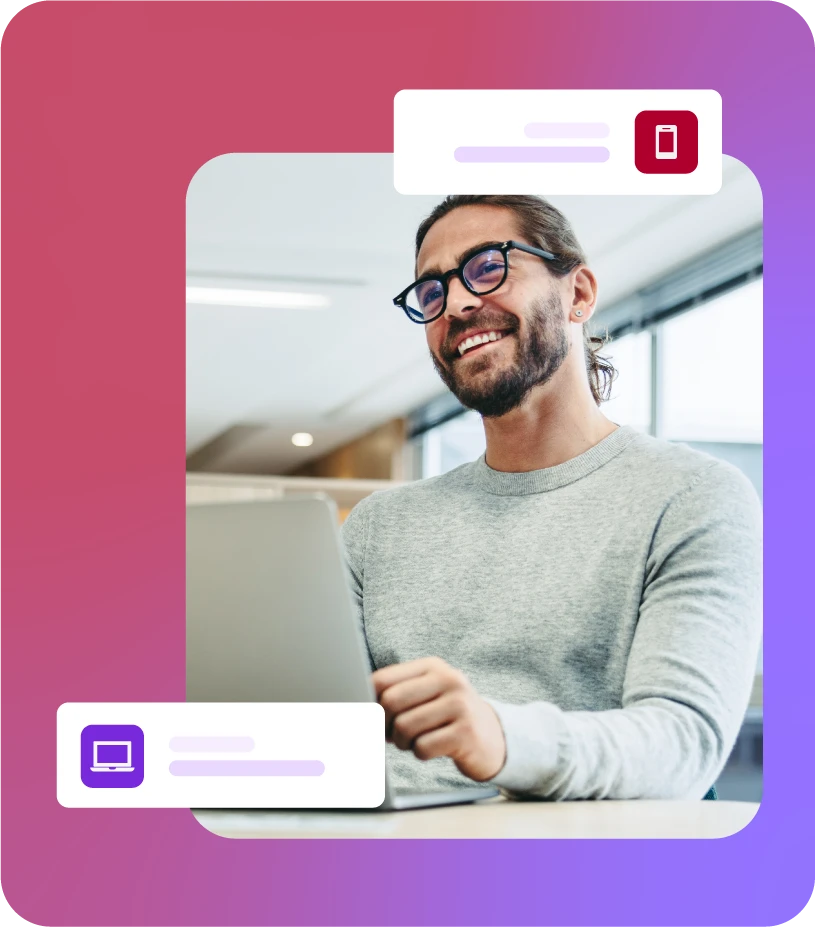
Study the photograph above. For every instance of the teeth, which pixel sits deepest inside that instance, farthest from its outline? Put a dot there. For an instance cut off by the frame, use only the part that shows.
(479, 339)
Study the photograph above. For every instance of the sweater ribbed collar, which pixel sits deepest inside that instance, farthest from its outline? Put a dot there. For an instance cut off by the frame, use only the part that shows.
(501, 483)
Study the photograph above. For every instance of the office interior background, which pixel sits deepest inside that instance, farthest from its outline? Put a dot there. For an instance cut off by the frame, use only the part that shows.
(303, 376)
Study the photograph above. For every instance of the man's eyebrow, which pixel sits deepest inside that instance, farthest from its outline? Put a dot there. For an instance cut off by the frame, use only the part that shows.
(435, 271)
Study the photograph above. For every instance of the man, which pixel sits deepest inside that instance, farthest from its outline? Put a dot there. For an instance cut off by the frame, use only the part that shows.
(577, 613)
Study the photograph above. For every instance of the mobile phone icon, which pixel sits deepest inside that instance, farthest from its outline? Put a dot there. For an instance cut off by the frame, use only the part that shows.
(666, 142)
(656, 141)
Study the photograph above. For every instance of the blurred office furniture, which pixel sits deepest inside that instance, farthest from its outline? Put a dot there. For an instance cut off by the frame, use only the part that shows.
(376, 455)
(381, 453)
(219, 487)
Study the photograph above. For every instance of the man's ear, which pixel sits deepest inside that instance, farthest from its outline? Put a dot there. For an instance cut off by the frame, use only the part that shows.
(584, 294)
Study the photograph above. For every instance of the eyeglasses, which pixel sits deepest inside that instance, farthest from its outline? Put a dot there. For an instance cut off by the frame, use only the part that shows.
(482, 271)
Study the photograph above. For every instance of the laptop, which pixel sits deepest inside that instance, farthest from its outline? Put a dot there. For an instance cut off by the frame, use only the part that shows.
(270, 616)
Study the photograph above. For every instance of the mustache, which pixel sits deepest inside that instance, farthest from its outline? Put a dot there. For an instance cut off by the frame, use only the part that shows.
(459, 332)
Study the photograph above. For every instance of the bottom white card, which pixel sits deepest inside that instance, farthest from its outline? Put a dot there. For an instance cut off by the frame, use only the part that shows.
(220, 755)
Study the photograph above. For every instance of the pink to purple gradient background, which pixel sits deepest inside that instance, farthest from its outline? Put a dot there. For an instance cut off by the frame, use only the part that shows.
(108, 110)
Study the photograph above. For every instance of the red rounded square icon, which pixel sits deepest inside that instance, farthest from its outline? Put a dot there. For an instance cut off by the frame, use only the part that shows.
(666, 141)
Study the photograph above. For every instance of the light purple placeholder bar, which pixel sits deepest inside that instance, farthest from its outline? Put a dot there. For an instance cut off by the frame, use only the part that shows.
(212, 744)
(246, 768)
(566, 130)
(526, 154)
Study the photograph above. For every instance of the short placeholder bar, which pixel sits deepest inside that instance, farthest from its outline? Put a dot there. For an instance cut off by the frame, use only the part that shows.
(566, 130)
(212, 744)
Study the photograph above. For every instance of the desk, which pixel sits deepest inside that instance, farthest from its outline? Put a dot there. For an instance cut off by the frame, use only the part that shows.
(496, 817)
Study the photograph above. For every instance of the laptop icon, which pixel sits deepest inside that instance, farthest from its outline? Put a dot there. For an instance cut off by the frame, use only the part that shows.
(112, 756)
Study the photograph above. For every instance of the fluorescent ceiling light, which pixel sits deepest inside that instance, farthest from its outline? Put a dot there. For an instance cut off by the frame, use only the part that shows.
(302, 439)
(255, 299)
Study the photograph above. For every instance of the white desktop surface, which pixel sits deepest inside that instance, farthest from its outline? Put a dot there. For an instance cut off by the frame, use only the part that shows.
(495, 818)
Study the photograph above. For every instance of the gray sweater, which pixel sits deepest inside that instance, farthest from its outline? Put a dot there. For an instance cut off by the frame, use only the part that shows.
(609, 609)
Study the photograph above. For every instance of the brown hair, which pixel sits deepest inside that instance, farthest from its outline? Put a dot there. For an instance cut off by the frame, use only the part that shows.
(544, 226)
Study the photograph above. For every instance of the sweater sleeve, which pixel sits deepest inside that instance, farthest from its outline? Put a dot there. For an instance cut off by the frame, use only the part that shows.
(689, 673)
(354, 535)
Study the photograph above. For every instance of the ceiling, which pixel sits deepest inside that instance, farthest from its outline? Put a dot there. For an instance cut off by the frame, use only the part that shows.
(333, 224)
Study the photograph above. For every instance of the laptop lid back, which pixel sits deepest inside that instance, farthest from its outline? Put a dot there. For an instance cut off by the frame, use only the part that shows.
(269, 611)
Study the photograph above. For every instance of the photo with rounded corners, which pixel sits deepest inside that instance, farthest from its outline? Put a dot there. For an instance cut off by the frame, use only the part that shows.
(536, 422)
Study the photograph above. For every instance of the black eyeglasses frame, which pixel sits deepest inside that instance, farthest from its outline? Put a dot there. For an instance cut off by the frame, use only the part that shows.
(504, 247)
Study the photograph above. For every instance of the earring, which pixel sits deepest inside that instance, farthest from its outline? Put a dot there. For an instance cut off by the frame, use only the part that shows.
(578, 312)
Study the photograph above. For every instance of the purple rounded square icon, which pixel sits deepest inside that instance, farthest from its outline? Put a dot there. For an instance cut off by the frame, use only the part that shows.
(112, 756)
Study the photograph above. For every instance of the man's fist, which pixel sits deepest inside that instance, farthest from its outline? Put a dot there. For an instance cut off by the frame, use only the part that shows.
(431, 709)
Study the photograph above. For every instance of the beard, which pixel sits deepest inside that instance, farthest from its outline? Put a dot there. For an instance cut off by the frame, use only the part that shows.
(538, 356)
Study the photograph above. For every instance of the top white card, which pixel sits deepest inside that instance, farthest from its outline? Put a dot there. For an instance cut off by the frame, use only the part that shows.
(558, 142)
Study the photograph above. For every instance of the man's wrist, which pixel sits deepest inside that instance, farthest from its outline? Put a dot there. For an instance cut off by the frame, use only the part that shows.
(533, 735)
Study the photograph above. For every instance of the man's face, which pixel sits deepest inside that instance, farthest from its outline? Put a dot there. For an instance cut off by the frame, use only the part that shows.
(527, 310)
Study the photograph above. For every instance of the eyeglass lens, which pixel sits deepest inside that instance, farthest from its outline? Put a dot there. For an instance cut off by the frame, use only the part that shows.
(482, 273)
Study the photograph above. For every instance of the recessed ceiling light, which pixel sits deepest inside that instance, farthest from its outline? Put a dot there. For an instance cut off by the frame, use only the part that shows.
(255, 299)
(302, 439)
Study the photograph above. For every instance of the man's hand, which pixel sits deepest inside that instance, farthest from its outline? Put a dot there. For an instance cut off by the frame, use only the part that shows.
(431, 709)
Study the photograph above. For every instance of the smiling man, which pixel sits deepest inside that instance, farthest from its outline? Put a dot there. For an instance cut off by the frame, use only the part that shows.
(577, 613)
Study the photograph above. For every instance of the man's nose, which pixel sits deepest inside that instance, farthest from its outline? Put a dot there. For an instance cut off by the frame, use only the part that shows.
(460, 301)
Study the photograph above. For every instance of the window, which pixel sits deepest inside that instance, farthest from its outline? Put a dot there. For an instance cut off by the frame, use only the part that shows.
(447, 446)
(630, 402)
(711, 370)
